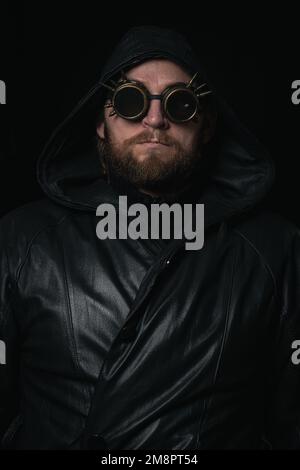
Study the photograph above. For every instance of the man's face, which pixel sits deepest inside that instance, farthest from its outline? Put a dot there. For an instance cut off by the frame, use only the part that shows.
(155, 154)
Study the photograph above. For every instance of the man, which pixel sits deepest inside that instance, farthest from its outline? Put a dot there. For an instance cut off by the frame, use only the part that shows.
(140, 343)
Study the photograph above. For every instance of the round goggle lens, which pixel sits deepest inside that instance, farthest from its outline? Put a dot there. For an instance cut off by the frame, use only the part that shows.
(129, 102)
(181, 105)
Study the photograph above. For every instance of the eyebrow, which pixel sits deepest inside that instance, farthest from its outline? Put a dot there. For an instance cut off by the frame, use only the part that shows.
(166, 86)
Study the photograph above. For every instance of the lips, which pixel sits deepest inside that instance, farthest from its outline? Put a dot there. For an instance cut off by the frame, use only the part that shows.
(153, 142)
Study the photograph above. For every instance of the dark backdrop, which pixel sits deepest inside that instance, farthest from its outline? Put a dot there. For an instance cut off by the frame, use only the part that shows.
(49, 57)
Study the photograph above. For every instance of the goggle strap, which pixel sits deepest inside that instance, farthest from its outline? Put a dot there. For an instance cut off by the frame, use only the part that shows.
(155, 97)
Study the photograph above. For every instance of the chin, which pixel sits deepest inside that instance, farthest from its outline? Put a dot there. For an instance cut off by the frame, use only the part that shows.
(160, 155)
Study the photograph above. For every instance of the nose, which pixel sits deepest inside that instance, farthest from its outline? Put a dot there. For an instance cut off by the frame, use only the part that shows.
(155, 116)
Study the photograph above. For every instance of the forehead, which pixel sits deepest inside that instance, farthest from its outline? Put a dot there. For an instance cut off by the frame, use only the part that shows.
(158, 71)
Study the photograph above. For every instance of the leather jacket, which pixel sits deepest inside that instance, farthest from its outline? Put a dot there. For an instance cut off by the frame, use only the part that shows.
(132, 344)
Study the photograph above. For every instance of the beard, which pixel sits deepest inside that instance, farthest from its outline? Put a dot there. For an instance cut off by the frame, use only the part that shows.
(165, 170)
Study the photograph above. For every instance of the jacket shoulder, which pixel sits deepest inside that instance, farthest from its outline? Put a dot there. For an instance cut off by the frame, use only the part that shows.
(273, 237)
(31, 218)
(19, 228)
(265, 226)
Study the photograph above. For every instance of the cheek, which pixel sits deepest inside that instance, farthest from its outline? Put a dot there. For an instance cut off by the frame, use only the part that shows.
(120, 130)
(187, 138)
(193, 135)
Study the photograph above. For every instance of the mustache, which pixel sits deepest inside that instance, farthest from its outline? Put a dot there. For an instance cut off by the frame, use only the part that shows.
(147, 136)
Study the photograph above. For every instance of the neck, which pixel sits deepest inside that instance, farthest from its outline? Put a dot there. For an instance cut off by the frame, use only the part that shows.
(188, 193)
(167, 195)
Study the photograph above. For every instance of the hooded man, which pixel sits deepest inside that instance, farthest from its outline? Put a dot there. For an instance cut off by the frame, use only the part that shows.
(123, 343)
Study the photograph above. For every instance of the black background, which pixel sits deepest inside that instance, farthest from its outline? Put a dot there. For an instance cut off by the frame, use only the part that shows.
(50, 56)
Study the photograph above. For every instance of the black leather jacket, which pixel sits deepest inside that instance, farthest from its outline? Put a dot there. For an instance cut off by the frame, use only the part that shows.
(129, 344)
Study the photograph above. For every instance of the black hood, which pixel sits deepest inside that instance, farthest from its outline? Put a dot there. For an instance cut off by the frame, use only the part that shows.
(69, 170)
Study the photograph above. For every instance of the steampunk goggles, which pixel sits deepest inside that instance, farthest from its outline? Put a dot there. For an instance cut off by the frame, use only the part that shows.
(180, 102)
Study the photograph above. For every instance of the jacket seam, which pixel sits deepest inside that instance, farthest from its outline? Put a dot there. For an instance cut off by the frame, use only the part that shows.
(35, 236)
(264, 262)
(207, 402)
(7, 303)
(71, 333)
(70, 323)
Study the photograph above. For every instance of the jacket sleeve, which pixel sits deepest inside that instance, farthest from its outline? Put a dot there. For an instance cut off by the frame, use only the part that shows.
(8, 346)
(283, 414)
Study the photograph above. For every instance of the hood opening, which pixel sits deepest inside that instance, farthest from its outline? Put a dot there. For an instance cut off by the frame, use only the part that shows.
(240, 173)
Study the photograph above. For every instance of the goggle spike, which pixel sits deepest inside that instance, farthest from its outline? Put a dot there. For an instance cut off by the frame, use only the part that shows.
(204, 93)
(123, 76)
(107, 86)
(192, 80)
(200, 86)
